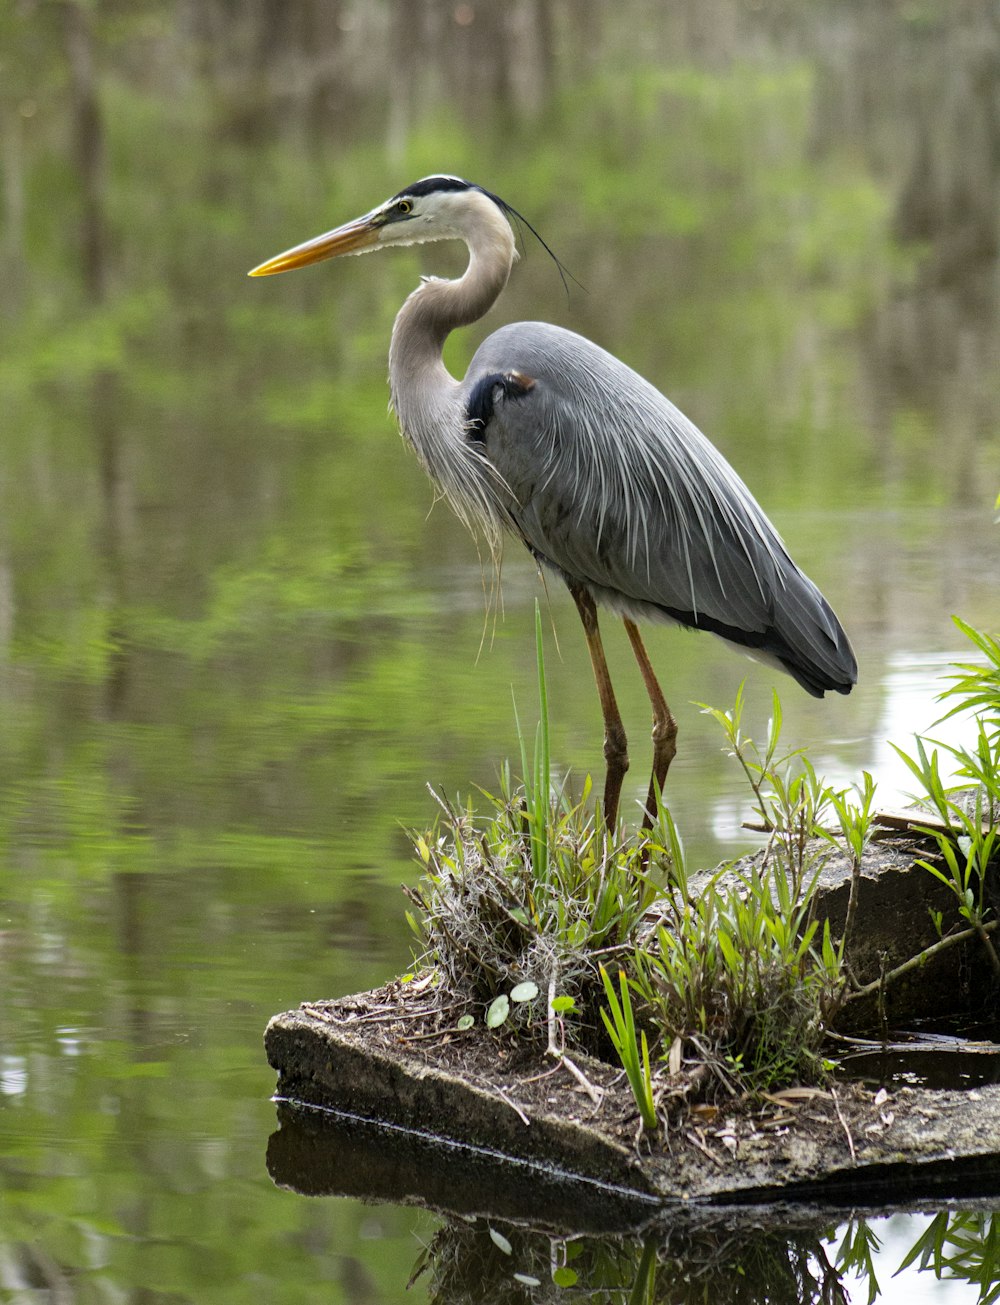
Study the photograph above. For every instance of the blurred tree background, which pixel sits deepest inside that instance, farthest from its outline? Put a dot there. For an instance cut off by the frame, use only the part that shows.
(233, 648)
(785, 214)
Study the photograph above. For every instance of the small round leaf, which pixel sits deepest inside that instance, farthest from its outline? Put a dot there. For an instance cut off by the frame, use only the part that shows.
(562, 1004)
(526, 991)
(565, 1277)
(498, 1011)
(465, 1022)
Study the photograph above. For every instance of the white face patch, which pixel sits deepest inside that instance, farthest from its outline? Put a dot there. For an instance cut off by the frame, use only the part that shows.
(446, 214)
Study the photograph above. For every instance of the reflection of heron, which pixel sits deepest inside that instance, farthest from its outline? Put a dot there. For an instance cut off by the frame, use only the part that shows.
(604, 480)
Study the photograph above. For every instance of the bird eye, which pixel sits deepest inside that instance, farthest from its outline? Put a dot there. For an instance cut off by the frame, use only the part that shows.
(404, 206)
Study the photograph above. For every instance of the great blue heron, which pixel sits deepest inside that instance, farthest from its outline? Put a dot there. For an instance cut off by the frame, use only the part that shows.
(605, 481)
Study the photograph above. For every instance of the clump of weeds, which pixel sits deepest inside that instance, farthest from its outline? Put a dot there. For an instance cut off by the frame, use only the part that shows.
(553, 930)
(519, 909)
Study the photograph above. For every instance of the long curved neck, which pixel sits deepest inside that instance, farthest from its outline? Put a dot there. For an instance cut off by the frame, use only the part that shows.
(420, 384)
(425, 396)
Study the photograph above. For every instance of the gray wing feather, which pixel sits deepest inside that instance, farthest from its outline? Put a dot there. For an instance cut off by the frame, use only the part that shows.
(612, 485)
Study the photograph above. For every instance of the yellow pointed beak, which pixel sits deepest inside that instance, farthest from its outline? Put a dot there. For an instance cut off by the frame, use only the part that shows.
(352, 238)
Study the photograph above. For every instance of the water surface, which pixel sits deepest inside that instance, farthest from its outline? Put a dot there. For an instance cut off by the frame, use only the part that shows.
(236, 644)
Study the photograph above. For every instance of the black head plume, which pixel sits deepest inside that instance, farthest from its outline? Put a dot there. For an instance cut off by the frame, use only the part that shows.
(440, 184)
(435, 186)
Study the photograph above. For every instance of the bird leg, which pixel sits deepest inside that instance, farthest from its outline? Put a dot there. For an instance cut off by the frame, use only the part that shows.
(615, 742)
(664, 725)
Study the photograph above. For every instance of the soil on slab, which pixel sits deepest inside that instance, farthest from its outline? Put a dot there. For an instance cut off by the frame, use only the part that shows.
(387, 1056)
(396, 1020)
(395, 1055)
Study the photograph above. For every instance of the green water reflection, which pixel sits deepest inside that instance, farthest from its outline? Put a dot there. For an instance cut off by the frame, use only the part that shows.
(234, 646)
(779, 1260)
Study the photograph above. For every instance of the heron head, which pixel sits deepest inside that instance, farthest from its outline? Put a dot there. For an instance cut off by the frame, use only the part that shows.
(435, 208)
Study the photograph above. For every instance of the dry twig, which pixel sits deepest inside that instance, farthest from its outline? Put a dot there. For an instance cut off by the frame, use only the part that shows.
(843, 1124)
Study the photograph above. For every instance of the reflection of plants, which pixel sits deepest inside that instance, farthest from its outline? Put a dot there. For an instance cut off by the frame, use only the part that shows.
(962, 1246)
(478, 1262)
(855, 1255)
(481, 1263)
(487, 1264)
